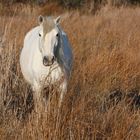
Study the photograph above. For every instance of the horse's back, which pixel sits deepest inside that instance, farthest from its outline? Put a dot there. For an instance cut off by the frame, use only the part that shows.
(31, 35)
(30, 42)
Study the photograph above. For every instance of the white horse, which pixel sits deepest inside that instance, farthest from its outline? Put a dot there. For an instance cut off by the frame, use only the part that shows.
(46, 57)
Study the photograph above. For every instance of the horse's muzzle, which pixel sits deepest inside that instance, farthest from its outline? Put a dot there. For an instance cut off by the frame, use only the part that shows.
(48, 61)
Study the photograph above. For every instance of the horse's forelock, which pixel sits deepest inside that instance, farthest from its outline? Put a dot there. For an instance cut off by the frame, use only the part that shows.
(48, 25)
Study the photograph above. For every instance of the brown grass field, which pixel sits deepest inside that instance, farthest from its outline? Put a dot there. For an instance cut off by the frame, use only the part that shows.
(106, 48)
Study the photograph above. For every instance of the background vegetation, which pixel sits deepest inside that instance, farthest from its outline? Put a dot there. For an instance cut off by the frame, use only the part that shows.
(106, 48)
(74, 3)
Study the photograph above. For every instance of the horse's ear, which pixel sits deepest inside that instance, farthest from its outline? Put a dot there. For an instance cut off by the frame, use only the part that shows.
(57, 20)
(40, 19)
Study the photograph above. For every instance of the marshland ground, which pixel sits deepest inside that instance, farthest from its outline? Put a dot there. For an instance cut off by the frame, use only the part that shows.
(106, 47)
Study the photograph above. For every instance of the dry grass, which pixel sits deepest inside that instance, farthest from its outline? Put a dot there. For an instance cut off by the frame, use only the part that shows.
(106, 57)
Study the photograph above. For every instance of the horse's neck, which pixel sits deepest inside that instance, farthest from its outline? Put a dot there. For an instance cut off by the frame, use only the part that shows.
(60, 52)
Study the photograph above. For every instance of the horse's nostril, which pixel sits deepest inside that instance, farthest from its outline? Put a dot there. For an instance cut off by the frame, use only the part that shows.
(45, 60)
(53, 59)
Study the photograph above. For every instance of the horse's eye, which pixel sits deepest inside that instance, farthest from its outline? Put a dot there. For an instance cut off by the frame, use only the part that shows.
(40, 35)
(57, 35)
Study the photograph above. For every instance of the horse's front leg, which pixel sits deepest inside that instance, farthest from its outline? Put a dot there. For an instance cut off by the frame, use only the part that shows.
(63, 90)
(37, 98)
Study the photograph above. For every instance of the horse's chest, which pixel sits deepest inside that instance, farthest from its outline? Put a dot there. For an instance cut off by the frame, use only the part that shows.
(48, 74)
